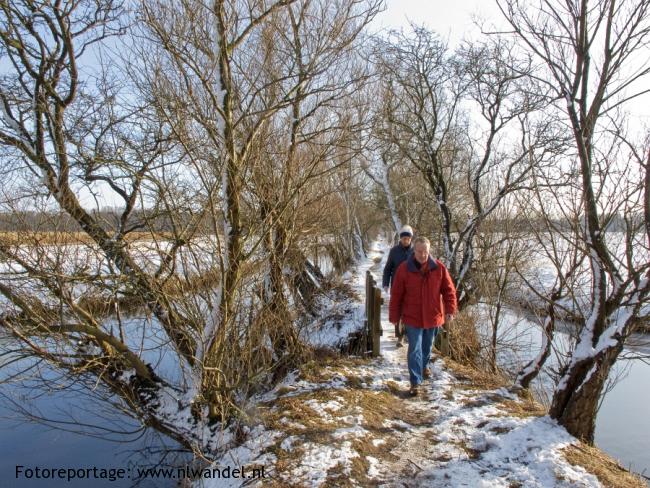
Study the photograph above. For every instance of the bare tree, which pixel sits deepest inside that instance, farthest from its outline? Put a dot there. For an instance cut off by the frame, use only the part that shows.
(592, 64)
(465, 163)
(227, 112)
(501, 252)
(381, 161)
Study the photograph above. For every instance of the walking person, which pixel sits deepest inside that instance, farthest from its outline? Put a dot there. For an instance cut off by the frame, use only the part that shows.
(422, 296)
(397, 256)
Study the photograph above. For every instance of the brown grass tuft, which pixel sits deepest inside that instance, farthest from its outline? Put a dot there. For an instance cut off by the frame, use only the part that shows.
(324, 366)
(478, 379)
(607, 470)
(523, 409)
(293, 417)
(324, 353)
(464, 343)
(376, 408)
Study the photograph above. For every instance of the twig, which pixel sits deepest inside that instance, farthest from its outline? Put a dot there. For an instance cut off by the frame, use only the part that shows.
(414, 464)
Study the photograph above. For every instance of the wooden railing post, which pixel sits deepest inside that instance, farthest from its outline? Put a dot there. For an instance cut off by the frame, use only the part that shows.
(376, 324)
(368, 288)
(372, 324)
(367, 326)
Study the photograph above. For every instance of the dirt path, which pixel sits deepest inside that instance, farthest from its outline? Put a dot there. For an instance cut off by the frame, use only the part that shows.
(346, 422)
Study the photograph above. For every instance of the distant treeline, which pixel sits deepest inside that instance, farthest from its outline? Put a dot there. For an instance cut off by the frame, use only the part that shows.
(616, 223)
(161, 222)
(149, 221)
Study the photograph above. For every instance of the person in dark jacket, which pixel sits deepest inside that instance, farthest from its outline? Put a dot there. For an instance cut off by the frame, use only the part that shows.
(397, 256)
(423, 297)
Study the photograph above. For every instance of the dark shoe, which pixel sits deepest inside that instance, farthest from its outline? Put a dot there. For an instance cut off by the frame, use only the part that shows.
(413, 391)
(399, 342)
(426, 374)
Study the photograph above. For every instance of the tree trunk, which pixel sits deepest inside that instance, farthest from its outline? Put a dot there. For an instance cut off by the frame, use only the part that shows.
(532, 369)
(284, 338)
(575, 405)
(495, 325)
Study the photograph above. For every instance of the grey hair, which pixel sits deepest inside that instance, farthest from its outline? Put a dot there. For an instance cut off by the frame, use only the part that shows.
(421, 240)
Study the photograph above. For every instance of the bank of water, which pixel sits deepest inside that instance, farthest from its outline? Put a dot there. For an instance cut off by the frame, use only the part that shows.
(91, 434)
(623, 423)
(622, 426)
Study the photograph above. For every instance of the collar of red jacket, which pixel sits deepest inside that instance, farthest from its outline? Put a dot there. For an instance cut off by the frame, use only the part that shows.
(410, 264)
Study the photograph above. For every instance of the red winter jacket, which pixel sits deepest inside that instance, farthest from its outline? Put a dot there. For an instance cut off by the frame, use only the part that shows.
(417, 297)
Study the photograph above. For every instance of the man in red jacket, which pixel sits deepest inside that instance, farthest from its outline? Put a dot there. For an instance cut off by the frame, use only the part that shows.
(421, 287)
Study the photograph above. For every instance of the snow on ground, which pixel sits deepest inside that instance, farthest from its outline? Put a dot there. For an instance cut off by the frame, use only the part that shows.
(340, 318)
(480, 445)
(349, 423)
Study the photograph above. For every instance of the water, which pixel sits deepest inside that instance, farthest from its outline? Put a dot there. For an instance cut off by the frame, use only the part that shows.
(34, 445)
(96, 434)
(31, 444)
(623, 422)
(622, 426)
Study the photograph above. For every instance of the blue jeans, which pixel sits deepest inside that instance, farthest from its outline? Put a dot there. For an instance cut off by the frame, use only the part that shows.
(420, 342)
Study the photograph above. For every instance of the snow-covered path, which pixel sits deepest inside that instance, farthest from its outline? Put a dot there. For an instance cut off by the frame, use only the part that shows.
(349, 422)
(465, 437)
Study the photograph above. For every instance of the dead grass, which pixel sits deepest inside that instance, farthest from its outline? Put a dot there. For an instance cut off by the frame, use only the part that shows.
(393, 387)
(527, 407)
(593, 460)
(472, 453)
(175, 287)
(607, 470)
(324, 353)
(325, 366)
(303, 420)
(102, 306)
(337, 477)
(464, 343)
(190, 284)
(284, 390)
(48, 238)
(477, 379)
(355, 382)
(291, 415)
(379, 408)
(319, 431)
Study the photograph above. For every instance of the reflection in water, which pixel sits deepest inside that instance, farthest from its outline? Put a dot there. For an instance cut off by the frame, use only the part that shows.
(91, 433)
(622, 427)
(32, 444)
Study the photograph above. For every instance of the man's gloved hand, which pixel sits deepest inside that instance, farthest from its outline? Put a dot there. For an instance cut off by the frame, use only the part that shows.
(448, 318)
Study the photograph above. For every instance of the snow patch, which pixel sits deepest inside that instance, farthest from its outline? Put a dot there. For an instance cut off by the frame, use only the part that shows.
(319, 459)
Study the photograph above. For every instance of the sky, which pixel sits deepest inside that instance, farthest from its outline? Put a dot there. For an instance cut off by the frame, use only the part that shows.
(456, 20)
(452, 20)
